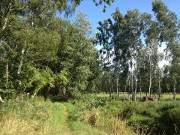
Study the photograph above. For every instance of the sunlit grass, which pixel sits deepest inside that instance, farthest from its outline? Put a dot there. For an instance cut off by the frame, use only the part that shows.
(34, 116)
(123, 95)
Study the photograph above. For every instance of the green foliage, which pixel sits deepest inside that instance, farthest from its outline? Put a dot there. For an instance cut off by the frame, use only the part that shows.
(153, 118)
(171, 120)
(42, 54)
(98, 102)
(36, 79)
(62, 79)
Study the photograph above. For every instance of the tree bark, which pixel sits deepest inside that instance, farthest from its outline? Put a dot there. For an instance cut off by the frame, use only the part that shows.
(1, 100)
(150, 76)
(7, 75)
(140, 89)
(132, 86)
(159, 90)
(117, 89)
(174, 90)
(110, 86)
(129, 89)
(125, 91)
(5, 24)
(135, 91)
(6, 18)
(21, 62)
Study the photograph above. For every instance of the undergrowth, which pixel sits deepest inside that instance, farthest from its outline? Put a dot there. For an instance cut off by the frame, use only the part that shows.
(35, 116)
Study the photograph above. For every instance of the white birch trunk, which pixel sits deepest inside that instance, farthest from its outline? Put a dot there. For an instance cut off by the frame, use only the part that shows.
(174, 90)
(7, 75)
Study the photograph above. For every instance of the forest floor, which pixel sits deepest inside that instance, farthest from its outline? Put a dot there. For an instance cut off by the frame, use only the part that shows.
(90, 115)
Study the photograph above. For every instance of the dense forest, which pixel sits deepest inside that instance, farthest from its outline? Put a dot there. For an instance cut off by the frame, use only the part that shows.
(55, 71)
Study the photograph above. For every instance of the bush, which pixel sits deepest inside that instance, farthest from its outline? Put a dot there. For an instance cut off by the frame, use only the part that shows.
(169, 122)
(174, 115)
(154, 118)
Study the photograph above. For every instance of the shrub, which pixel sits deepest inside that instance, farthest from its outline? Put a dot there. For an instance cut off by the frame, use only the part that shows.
(169, 122)
(154, 118)
(174, 115)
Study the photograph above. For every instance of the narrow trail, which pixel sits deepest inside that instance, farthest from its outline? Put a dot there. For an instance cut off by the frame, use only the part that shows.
(65, 112)
(60, 114)
(60, 118)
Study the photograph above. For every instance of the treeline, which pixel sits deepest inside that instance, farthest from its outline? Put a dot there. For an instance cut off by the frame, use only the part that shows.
(43, 54)
(40, 53)
(132, 60)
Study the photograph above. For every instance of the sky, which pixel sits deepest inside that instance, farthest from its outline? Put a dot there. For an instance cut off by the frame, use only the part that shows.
(95, 14)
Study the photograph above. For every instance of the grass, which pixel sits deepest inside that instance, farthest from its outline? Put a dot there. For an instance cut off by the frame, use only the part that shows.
(34, 116)
(169, 96)
(26, 116)
(152, 118)
(164, 96)
(89, 115)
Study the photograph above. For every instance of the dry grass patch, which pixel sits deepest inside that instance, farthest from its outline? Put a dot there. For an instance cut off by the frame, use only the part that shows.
(12, 125)
(110, 125)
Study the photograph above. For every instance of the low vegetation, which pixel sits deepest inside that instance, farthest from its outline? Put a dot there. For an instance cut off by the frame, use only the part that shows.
(35, 116)
(89, 115)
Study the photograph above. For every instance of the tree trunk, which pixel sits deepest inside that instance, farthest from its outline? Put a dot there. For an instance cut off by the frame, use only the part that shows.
(108, 55)
(7, 75)
(150, 77)
(1, 100)
(5, 24)
(21, 62)
(174, 90)
(110, 87)
(159, 90)
(6, 19)
(129, 90)
(135, 91)
(140, 89)
(110, 92)
(150, 84)
(117, 89)
(132, 86)
(125, 91)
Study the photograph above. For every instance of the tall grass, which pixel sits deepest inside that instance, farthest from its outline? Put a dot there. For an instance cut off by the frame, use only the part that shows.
(153, 118)
(34, 116)
(26, 116)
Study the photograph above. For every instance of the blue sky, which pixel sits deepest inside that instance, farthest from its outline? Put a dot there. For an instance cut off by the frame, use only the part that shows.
(95, 14)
